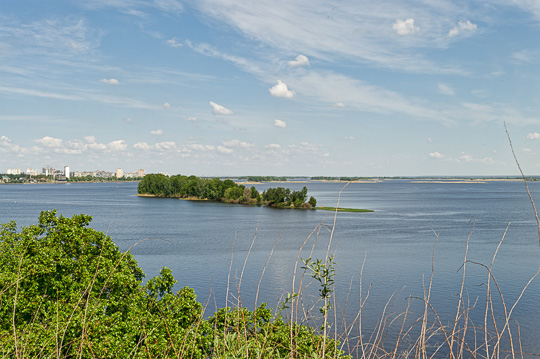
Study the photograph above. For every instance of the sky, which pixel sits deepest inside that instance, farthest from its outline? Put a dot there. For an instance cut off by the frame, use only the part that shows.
(271, 87)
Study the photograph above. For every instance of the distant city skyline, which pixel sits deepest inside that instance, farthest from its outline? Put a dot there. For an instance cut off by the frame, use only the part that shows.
(307, 88)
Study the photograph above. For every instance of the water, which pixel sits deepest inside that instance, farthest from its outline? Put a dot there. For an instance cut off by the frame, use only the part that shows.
(200, 241)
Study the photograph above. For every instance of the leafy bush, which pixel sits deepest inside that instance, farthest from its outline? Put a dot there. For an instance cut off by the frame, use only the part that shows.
(67, 291)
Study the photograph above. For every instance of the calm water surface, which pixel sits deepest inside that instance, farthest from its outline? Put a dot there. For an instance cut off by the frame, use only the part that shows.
(200, 240)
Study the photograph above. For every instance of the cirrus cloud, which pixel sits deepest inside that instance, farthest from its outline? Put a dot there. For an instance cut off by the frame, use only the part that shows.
(463, 27)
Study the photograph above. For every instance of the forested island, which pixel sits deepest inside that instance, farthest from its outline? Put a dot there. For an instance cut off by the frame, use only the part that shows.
(228, 191)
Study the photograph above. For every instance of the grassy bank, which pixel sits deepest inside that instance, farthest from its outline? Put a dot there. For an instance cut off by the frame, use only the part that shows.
(343, 209)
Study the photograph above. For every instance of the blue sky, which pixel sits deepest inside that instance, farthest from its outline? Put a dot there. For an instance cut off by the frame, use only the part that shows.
(271, 87)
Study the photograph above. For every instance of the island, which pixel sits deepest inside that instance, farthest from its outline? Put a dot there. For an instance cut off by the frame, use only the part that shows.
(228, 191)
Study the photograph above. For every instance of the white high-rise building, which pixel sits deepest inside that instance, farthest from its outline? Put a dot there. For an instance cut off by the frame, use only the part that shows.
(119, 173)
(67, 173)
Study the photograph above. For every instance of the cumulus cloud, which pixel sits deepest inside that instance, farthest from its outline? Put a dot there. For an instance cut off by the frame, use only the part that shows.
(405, 27)
(280, 123)
(281, 90)
(173, 42)
(237, 143)
(224, 149)
(533, 136)
(141, 146)
(446, 89)
(219, 110)
(118, 145)
(300, 60)
(274, 146)
(165, 146)
(191, 119)
(90, 139)
(339, 105)
(166, 106)
(463, 27)
(50, 142)
(157, 132)
(109, 81)
(436, 155)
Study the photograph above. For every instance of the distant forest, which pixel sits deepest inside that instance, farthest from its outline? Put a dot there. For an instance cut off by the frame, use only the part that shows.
(193, 187)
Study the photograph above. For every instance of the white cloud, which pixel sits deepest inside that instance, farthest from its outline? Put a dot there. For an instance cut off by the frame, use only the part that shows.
(273, 146)
(90, 139)
(446, 89)
(280, 123)
(109, 81)
(463, 28)
(300, 60)
(191, 119)
(436, 155)
(339, 105)
(127, 120)
(348, 138)
(533, 136)
(281, 90)
(141, 146)
(405, 27)
(223, 149)
(523, 56)
(118, 145)
(50, 142)
(157, 132)
(165, 146)
(173, 42)
(219, 110)
(238, 143)
(166, 106)
(429, 139)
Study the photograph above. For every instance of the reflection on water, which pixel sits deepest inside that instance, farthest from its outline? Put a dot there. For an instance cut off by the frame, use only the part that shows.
(198, 240)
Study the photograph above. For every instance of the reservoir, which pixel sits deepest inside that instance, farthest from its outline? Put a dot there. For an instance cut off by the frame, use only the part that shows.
(230, 253)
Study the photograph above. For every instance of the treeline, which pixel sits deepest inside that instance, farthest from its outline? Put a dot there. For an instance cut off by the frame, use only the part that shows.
(193, 187)
(265, 179)
(103, 179)
(348, 179)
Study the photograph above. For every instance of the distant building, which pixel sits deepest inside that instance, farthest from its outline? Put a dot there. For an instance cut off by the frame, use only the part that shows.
(32, 172)
(141, 173)
(14, 171)
(66, 172)
(47, 170)
(119, 173)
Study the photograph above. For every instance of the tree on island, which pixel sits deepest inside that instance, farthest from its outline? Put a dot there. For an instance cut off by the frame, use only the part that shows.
(179, 186)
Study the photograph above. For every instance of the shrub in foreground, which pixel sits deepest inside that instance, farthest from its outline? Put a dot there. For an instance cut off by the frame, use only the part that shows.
(67, 291)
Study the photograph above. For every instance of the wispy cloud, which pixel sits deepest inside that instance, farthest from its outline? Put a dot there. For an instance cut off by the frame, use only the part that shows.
(109, 81)
(219, 110)
(350, 29)
(463, 28)
(446, 89)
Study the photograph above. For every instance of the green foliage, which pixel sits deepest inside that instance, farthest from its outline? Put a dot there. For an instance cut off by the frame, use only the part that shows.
(66, 291)
(265, 179)
(312, 202)
(179, 186)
